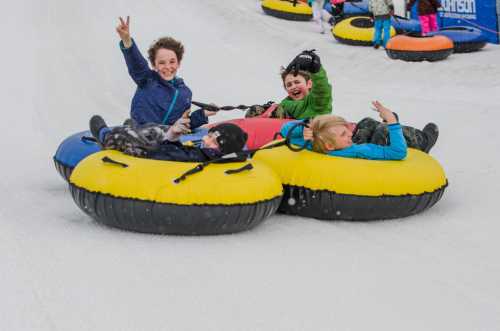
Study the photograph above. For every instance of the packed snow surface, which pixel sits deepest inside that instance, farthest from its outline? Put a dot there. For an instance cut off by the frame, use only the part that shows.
(60, 270)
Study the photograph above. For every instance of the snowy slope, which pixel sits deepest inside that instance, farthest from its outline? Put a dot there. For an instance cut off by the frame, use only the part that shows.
(438, 270)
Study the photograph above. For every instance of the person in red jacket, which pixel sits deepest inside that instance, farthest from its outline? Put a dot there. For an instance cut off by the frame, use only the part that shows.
(426, 10)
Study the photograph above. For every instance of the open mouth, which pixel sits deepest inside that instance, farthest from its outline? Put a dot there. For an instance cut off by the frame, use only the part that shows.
(296, 93)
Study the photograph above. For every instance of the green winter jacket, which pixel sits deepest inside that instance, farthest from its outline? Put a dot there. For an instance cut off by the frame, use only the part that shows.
(317, 102)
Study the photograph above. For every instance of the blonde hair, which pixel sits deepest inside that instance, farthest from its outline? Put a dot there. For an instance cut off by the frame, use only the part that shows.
(322, 134)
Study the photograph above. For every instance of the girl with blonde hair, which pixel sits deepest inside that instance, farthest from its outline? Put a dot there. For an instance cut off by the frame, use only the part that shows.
(332, 135)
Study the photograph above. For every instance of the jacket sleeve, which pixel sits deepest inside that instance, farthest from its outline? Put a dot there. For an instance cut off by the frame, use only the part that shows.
(321, 94)
(410, 4)
(397, 150)
(297, 131)
(137, 65)
(198, 118)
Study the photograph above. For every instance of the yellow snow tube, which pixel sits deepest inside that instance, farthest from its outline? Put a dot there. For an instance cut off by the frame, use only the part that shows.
(141, 195)
(287, 9)
(357, 30)
(328, 187)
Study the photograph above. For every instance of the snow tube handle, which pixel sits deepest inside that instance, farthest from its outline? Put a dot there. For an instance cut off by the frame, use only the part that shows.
(289, 134)
(107, 159)
(88, 140)
(247, 167)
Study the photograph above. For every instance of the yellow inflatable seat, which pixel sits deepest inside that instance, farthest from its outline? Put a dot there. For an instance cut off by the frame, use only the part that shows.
(141, 195)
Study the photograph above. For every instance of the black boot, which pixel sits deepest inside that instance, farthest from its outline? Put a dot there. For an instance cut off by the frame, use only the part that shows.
(431, 131)
(96, 124)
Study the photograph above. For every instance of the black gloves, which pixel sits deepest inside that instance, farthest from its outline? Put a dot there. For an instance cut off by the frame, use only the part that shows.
(307, 60)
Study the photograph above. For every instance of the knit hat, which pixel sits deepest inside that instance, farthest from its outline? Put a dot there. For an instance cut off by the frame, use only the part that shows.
(230, 137)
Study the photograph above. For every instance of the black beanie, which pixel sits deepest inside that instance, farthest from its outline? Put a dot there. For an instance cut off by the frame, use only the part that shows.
(231, 138)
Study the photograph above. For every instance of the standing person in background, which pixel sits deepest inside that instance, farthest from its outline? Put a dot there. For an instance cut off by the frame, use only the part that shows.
(427, 10)
(337, 10)
(319, 14)
(161, 97)
(382, 11)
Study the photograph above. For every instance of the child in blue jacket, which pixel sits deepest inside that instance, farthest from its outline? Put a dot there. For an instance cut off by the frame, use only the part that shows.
(330, 135)
(161, 97)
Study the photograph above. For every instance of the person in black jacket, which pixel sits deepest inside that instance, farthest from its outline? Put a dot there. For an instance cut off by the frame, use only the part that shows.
(161, 142)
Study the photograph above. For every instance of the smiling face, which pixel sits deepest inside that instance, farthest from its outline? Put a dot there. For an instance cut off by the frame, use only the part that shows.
(210, 141)
(297, 86)
(166, 63)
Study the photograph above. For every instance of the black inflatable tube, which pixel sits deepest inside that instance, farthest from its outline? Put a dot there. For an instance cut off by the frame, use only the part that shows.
(468, 47)
(286, 15)
(326, 205)
(415, 56)
(162, 218)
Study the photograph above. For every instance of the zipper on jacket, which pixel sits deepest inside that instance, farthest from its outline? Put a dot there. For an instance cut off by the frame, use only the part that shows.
(171, 106)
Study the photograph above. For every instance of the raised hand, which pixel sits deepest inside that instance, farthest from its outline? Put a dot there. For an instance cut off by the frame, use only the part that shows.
(182, 125)
(306, 60)
(386, 114)
(123, 30)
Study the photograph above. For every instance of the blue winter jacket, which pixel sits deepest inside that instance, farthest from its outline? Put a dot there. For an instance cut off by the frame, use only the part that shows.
(157, 100)
(395, 151)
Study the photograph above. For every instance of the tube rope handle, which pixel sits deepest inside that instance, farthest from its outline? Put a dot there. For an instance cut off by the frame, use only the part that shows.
(190, 172)
(289, 135)
(107, 159)
(247, 167)
(86, 139)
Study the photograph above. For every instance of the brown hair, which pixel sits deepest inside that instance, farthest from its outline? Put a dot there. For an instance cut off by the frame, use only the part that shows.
(305, 74)
(320, 127)
(167, 43)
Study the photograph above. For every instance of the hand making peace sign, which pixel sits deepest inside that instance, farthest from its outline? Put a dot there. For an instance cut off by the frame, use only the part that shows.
(123, 30)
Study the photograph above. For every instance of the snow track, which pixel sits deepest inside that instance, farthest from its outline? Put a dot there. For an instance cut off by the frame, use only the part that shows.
(60, 61)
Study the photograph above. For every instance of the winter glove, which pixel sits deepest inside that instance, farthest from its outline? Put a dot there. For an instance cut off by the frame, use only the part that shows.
(307, 60)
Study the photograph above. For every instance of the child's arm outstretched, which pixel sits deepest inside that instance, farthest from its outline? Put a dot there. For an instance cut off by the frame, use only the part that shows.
(321, 92)
(385, 114)
(397, 148)
(137, 65)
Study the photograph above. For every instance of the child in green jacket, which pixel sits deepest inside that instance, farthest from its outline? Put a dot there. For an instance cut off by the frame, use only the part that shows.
(309, 91)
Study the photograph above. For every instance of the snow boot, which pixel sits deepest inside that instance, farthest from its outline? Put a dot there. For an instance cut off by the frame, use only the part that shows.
(431, 131)
(96, 124)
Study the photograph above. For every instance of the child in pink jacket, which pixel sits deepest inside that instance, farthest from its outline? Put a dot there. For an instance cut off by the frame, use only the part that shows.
(426, 10)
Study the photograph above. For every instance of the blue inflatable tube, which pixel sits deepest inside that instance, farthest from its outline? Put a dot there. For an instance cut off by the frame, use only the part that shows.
(465, 38)
(72, 150)
(404, 25)
(356, 8)
(80, 145)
